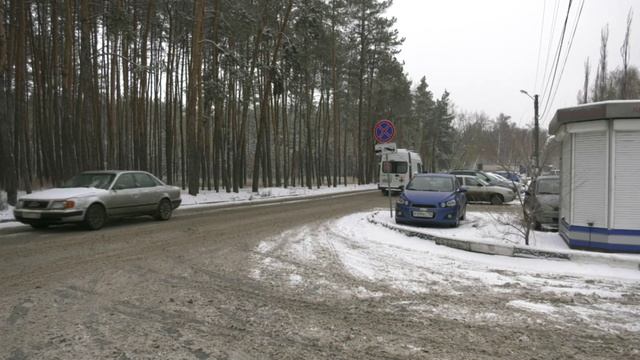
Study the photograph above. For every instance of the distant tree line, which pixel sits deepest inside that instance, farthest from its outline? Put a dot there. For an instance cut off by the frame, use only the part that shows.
(619, 84)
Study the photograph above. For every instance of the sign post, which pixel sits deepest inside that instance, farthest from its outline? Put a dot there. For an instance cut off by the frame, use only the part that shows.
(384, 132)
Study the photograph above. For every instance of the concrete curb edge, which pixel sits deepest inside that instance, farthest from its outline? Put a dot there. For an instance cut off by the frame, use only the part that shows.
(514, 251)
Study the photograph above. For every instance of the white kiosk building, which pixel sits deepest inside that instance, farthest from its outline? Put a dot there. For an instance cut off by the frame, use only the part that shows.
(600, 175)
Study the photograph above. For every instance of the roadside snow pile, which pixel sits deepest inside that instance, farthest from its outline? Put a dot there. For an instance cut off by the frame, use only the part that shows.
(6, 214)
(6, 210)
(497, 228)
(245, 195)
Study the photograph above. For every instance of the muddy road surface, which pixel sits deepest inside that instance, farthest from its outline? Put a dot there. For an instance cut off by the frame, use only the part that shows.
(223, 284)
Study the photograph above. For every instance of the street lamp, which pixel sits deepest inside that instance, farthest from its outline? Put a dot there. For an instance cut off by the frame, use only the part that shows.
(536, 129)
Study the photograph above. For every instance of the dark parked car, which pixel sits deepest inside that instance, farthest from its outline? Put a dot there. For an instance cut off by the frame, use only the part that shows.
(509, 175)
(432, 199)
(543, 202)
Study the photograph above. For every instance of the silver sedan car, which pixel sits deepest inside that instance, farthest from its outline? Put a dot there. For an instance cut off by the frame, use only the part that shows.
(90, 198)
(478, 190)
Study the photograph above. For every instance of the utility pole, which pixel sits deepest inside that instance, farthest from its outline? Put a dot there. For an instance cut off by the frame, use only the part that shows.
(536, 133)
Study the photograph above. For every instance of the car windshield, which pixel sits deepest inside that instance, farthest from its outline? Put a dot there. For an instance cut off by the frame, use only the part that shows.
(548, 187)
(431, 183)
(99, 181)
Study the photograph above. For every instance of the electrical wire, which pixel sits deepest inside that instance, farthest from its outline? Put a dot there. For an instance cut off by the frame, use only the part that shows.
(544, 12)
(556, 62)
(550, 100)
(553, 29)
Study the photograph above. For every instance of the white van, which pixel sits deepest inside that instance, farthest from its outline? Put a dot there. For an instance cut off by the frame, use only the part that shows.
(402, 166)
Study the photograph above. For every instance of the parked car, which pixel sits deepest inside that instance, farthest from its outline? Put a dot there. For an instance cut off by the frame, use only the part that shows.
(511, 176)
(479, 190)
(432, 199)
(543, 202)
(515, 185)
(90, 198)
(485, 177)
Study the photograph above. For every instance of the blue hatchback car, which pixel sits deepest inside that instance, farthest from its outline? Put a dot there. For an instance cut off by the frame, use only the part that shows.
(432, 199)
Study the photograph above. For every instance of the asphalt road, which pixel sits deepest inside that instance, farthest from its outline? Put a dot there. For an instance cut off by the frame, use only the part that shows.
(187, 289)
(54, 280)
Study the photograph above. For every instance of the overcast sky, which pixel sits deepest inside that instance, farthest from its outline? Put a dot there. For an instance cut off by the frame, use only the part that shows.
(484, 52)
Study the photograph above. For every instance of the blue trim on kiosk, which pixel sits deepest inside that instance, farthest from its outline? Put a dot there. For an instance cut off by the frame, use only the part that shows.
(599, 245)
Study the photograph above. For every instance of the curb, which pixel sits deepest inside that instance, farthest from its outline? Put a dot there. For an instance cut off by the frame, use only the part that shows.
(615, 260)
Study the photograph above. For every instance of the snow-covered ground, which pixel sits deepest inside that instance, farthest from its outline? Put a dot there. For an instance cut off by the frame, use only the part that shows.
(600, 295)
(211, 198)
(208, 198)
(487, 227)
(501, 229)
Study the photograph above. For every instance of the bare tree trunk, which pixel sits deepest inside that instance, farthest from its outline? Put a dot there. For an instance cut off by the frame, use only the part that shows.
(264, 101)
(193, 101)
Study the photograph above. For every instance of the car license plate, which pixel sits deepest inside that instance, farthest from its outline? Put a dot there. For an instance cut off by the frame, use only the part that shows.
(423, 214)
(30, 215)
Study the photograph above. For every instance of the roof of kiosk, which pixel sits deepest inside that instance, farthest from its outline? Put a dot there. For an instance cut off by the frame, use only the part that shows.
(616, 109)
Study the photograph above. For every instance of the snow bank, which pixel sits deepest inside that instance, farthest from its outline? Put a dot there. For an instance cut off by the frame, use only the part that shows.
(209, 198)
(492, 228)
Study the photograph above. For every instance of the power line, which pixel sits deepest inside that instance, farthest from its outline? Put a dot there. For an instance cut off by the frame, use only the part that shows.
(553, 29)
(556, 62)
(544, 12)
(564, 64)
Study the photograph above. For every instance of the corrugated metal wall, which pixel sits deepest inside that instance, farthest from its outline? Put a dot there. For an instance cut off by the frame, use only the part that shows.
(590, 179)
(627, 180)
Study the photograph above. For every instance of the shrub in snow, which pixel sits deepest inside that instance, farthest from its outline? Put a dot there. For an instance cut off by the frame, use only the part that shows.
(3, 201)
(265, 193)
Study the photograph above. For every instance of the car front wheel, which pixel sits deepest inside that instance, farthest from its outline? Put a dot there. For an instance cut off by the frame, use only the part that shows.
(164, 210)
(96, 217)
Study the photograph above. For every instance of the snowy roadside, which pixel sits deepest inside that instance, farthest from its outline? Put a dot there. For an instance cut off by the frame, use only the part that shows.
(492, 228)
(211, 198)
(486, 227)
(386, 262)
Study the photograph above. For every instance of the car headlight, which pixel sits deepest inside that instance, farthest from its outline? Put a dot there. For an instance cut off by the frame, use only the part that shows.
(402, 202)
(62, 205)
(450, 203)
(20, 204)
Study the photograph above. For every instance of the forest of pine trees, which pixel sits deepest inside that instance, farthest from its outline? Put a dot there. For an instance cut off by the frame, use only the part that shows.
(205, 94)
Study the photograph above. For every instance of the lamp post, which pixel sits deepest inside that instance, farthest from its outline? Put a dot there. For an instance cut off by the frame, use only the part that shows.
(536, 129)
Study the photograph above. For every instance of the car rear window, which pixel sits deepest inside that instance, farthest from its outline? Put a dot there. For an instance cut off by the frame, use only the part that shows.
(431, 183)
(548, 187)
(394, 167)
